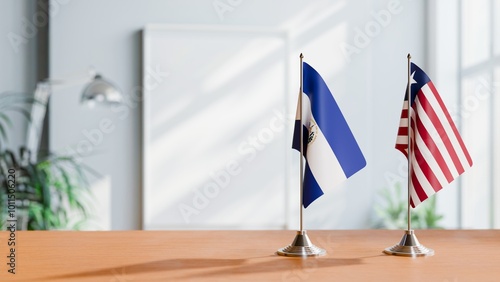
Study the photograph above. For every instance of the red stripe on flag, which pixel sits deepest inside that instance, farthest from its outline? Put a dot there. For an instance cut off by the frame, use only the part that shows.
(403, 131)
(422, 196)
(436, 154)
(426, 169)
(404, 114)
(439, 147)
(402, 148)
(450, 121)
(412, 132)
(440, 129)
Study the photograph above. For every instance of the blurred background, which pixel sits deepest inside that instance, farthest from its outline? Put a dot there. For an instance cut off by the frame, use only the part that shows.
(202, 136)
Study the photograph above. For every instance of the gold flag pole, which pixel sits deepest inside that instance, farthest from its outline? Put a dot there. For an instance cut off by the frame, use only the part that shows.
(409, 246)
(301, 245)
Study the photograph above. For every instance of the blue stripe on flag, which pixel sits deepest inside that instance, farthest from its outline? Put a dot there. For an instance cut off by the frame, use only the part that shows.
(296, 137)
(332, 123)
(312, 191)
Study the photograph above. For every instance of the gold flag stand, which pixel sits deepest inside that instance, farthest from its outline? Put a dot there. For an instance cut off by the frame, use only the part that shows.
(301, 245)
(409, 245)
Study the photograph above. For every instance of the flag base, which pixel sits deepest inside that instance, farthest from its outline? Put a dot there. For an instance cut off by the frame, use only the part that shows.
(409, 247)
(301, 247)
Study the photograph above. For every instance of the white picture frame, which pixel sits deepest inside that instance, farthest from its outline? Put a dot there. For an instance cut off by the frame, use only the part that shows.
(216, 127)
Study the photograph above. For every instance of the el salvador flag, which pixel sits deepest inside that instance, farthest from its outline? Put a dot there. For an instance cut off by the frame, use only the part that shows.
(332, 154)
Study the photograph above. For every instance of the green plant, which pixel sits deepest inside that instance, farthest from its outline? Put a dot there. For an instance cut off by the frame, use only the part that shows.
(52, 192)
(12, 102)
(393, 212)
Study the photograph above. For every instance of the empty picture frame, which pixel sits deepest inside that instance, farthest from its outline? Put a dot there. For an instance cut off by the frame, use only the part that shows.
(216, 137)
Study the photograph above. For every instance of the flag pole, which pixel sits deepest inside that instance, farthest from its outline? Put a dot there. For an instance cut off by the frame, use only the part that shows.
(301, 245)
(409, 246)
(408, 89)
(301, 172)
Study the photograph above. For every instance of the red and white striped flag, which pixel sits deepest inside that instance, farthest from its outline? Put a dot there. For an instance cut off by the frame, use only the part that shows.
(438, 153)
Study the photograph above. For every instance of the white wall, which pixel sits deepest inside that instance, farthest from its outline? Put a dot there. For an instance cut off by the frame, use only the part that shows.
(368, 85)
(17, 57)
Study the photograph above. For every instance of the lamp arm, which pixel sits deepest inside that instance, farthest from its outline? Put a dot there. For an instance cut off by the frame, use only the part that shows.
(38, 111)
(57, 84)
(45, 88)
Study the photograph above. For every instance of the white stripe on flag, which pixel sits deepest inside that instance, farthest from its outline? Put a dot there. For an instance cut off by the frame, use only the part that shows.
(402, 139)
(306, 111)
(434, 134)
(324, 165)
(449, 131)
(403, 122)
(424, 183)
(430, 160)
(413, 195)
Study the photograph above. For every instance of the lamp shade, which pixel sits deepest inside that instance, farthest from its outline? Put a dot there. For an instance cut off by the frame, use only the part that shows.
(102, 91)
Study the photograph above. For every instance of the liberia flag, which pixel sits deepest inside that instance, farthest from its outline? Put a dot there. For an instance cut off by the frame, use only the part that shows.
(331, 152)
(437, 153)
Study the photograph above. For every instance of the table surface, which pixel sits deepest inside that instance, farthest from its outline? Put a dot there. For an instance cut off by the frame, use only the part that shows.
(352, 255)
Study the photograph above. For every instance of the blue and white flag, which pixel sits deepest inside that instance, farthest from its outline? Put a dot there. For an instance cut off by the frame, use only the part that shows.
(331, 152)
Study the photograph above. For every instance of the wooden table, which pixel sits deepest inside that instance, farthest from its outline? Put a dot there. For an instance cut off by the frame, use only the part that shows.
(461, 255)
